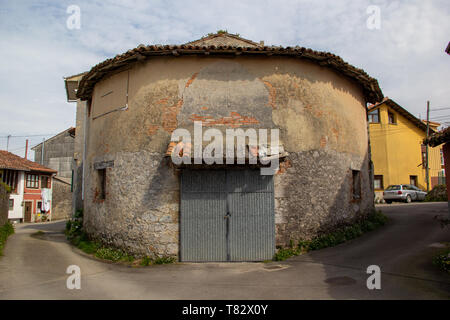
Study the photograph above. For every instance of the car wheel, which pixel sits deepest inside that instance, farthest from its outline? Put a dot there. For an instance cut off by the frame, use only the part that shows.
(388, 201)
(408, 199)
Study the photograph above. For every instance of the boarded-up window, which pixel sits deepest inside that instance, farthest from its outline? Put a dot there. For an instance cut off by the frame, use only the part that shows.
(356, 184)
(101, 186)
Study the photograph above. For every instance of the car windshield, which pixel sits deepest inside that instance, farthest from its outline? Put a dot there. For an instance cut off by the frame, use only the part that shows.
(396, 187)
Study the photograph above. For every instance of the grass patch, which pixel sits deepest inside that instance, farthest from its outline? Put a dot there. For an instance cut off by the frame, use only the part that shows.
(442, 260)
(334, 238)
(5, 231)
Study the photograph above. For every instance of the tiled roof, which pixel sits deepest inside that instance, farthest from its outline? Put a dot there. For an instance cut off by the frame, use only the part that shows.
(371, 89)
(392, 104)
(438, 138)
(9, 160)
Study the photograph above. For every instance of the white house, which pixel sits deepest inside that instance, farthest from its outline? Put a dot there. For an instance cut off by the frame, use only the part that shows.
(31, 188)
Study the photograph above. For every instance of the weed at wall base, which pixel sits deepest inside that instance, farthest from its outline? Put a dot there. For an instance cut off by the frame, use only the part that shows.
(343, 234)
(75, 234)
(5, 231)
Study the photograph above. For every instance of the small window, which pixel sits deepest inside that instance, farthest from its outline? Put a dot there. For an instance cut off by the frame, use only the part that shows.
(378, 182)
(11, 204)
(391, 118)
(413, 180)
(101, 184)
(39, 206)
(374, 116)
(442, 158)
(32, 181)
(45, 182)
(356, 185)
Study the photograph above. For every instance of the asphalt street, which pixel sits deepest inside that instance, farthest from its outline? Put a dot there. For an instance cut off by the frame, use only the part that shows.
(34, 267)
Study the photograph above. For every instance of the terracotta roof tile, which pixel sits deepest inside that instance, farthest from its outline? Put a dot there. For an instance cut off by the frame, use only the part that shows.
(9, 160)
(370, 86)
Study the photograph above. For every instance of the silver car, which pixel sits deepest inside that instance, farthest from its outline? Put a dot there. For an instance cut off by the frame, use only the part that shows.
(403, 192)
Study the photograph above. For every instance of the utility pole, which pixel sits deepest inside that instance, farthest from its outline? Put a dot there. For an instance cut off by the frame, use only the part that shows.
(427, 172)
(7, 142)
(26, 149)
(42, 151)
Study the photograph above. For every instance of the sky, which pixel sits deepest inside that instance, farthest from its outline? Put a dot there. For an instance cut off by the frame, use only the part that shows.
(404, 52)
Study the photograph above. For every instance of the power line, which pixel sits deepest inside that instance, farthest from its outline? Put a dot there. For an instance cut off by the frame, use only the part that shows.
(441, 108)
(29, 135)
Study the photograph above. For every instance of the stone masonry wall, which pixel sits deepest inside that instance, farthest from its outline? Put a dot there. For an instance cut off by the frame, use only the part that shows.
(4, 204)
(314, 194)
(141, 210)
(61, 199)
(322, 122)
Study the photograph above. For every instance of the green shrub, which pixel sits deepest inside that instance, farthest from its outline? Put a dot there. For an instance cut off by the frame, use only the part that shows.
(146, 261)
(5, 231)
(443, 260)
(164, 260)
(7, 187)
(438, 193)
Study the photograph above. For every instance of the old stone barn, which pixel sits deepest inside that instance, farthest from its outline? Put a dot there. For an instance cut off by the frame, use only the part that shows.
(135, 198)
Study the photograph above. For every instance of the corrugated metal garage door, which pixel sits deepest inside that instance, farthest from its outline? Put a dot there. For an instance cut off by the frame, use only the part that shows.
(226, 215)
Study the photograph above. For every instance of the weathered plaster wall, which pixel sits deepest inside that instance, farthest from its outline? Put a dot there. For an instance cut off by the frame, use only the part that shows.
(77, 164)
(322, 122)
(61, 199)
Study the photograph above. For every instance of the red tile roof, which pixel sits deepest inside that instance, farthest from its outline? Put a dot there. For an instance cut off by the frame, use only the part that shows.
(370, 86)
(9, 160)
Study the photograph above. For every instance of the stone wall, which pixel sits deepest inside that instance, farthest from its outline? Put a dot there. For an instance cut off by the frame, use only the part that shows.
(322, 122)
(141, 209)
(61, 199)
(4, 204)
(313, 194)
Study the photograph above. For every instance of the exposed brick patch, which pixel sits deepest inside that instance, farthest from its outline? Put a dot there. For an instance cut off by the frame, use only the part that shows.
(335, 132)
(163, 101)
(191, 79)
(284, 166)
(234, 120)
(323, 142)
(272, 94)
(152, 129)
(169, 117)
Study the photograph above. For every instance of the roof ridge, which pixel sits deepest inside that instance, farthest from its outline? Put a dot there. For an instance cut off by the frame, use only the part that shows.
(9, 160)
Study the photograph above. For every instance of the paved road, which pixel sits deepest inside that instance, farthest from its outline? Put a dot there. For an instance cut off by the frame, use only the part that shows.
(34, 268)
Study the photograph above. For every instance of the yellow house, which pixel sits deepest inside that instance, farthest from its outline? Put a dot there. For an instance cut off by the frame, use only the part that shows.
(398, 152)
